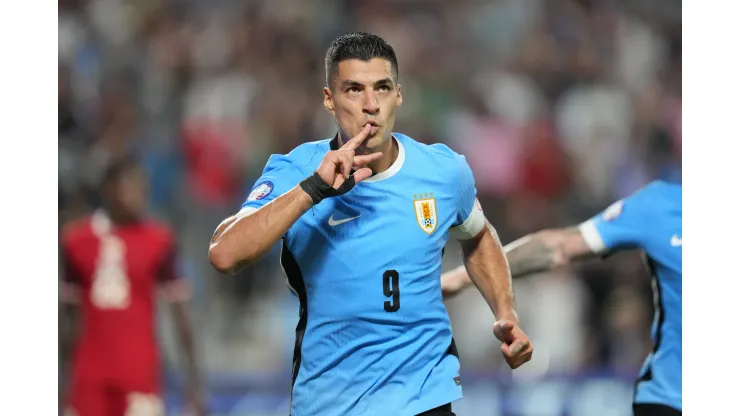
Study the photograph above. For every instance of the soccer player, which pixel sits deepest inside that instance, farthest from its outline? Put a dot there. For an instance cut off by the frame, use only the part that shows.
(113, 261)
(363, 218)
(649, 220)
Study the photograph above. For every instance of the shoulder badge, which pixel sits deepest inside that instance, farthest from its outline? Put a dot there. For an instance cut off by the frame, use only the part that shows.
(260, 191)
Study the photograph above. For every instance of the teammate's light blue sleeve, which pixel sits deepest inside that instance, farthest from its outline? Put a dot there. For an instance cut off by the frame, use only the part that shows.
(622, 225)
(279, 176)
(469, 220)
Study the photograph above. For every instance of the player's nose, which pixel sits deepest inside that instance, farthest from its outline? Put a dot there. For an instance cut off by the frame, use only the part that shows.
(370, 105)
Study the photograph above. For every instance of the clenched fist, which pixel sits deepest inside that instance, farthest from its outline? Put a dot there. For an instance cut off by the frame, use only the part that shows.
(515, 345)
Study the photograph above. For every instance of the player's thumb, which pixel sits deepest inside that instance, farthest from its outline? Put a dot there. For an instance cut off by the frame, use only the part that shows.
(362, 174)
(502, 331)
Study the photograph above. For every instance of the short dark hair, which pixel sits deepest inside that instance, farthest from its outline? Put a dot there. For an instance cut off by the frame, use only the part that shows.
(358, 45)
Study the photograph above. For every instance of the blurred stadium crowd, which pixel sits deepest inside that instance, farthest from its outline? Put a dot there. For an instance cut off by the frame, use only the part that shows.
(560, 106)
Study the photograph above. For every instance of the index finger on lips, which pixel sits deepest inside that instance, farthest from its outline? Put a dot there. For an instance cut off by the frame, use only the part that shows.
(357, 140)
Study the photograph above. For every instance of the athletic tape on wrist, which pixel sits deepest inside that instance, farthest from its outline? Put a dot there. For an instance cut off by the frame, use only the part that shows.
(319, 190)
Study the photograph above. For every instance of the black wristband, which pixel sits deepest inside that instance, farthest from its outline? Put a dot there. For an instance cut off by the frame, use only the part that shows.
(319, 190)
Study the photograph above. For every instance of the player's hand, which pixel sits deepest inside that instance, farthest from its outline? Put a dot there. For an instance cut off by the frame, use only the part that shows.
(337, 164)
(515, 345)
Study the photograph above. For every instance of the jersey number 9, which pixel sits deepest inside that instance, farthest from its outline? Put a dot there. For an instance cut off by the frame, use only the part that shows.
(390, 289)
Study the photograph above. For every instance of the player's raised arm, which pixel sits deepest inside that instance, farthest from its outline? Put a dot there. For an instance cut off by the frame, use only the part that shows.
(244, 238)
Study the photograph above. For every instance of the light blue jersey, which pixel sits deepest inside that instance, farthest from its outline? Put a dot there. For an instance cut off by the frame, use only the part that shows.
(374, 337)
(650, 220)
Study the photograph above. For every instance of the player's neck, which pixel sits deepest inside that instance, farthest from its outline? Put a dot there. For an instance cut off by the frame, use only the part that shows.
(390, 154)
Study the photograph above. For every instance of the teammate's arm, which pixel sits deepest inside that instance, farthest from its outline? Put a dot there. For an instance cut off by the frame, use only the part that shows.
(243, 239)
(617, 227)
(537, 252)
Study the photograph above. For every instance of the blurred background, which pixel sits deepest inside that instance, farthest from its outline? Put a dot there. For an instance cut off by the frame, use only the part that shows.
(560, 106)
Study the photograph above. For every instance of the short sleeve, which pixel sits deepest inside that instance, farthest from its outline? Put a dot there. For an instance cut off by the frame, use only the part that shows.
(173, 285)
(279, 176)
(469, 218)
(621, 225)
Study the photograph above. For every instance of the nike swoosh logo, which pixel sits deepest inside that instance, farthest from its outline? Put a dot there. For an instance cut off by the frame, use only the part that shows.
(333, 222)
(676, 241)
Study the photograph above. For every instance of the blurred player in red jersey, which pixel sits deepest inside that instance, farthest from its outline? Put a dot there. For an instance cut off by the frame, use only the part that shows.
(114, 261)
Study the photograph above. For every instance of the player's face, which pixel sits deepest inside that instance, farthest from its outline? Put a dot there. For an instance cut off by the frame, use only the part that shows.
(131, 192)
(363, 92)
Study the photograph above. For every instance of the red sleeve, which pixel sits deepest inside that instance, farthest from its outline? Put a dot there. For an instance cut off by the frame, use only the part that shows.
(174, 286)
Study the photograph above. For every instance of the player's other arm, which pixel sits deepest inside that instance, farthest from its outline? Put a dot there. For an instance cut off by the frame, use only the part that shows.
(244, 238)
(176, 291)
(186, 339)
(537, 252)
(485, 262)
(488, 269)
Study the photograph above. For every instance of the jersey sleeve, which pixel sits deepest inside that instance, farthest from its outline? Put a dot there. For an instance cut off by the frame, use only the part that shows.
(173, 285)
(621, 225)
(469, 218)
(279, 176)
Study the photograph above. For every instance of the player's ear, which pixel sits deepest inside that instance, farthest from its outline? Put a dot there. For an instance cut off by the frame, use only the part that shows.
(399, 97)
(328, 103)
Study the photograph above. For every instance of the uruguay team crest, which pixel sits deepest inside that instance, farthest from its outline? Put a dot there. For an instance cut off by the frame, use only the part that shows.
(425, 207)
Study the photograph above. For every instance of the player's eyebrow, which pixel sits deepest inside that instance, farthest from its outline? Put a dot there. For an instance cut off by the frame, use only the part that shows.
(384, 81)
(350, 83)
